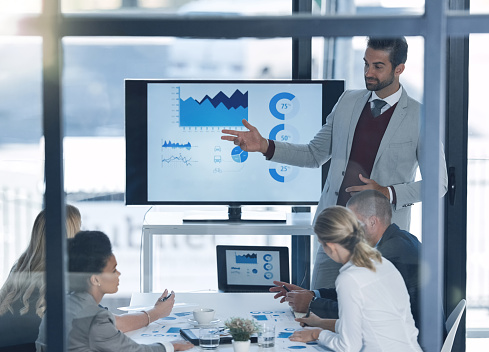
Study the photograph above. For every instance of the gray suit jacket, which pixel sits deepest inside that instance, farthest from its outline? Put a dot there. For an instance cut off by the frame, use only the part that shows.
(92, 328)
(395, 164)
(396, 161)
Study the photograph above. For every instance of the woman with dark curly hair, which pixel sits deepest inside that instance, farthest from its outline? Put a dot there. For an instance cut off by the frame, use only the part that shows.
(92, 274)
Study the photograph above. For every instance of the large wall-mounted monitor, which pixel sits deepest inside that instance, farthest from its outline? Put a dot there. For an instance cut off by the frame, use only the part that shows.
(174, 151)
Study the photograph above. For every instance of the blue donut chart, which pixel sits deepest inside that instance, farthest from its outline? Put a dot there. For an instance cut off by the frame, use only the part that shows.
(293, 102)
(275, 175)
(284, 133)
(283, 173)
(273, 133)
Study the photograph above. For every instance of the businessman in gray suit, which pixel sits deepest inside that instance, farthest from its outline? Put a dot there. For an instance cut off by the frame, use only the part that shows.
(372, 139)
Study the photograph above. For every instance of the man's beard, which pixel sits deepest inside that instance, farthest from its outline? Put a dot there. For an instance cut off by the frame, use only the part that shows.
(376, 85)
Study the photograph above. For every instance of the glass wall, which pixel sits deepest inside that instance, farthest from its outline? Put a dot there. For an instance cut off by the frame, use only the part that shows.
(22, 6)
(387, 7)
(21, 155)
(479, 7)
(477, 192)
(92, 107)
(182, 7)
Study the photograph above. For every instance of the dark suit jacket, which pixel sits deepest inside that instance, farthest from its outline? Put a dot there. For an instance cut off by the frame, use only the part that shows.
(403, 250)
(399, 247)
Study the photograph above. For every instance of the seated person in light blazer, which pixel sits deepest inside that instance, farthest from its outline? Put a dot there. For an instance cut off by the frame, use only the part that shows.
(374, 309)
(90, 327)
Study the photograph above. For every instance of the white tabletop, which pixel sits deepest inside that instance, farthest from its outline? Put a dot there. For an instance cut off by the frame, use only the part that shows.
(261, 307)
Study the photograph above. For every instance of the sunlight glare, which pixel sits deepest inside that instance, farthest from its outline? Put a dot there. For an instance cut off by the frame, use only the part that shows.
(20, 6)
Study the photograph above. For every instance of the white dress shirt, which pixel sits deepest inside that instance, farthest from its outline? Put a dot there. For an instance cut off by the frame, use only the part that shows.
(391, 100)
(374, 311)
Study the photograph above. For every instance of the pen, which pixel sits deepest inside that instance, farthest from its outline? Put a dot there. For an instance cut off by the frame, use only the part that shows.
(165, 298)
(285, 287)
(307, 315)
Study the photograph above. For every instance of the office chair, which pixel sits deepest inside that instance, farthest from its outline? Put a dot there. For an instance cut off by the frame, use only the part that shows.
(452, 325)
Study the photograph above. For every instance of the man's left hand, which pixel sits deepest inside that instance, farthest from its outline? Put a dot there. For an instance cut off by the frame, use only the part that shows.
(369, 184)
(299, 300)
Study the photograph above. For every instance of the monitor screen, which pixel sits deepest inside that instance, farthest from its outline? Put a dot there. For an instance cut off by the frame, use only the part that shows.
(251, 268)
(174, 151)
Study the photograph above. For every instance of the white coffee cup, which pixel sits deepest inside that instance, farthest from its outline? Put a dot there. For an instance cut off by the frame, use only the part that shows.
(204, 315)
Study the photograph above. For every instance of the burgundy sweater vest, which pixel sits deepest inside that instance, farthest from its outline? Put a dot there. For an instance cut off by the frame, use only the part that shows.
(366, 141)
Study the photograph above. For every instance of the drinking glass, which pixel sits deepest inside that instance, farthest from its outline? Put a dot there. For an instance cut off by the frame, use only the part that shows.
(266, 336)
(209, 338)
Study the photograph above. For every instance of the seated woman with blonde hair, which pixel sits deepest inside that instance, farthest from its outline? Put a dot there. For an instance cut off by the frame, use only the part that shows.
(374, 308)
(22, 302)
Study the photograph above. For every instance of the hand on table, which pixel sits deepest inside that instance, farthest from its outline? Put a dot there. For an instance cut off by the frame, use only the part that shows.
(250, 141)
(311, 320)
(181, 345)
(282, 292)
(305, 335)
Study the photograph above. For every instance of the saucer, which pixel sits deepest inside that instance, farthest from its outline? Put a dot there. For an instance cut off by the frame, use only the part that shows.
(197, 325)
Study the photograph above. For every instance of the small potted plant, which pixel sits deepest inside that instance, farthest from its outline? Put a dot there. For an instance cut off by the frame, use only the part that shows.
(241, 330)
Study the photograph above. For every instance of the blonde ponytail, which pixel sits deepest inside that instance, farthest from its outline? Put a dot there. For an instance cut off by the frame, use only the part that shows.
(339, 225)
(363, 254)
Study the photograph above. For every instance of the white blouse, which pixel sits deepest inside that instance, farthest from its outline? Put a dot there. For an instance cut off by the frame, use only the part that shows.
(374, 311)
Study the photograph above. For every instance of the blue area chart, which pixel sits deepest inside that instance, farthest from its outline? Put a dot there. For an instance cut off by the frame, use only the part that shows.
(219, 111)
(239, 155)
(246, 259)
(284, 105)
(171, 145)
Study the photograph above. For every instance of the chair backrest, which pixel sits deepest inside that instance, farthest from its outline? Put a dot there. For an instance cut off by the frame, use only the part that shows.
(452, 325)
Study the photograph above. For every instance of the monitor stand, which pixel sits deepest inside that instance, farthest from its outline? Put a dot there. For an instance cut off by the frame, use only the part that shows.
(234, 216)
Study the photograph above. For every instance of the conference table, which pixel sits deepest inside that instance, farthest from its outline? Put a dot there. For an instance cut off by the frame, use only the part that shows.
(261, 307)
